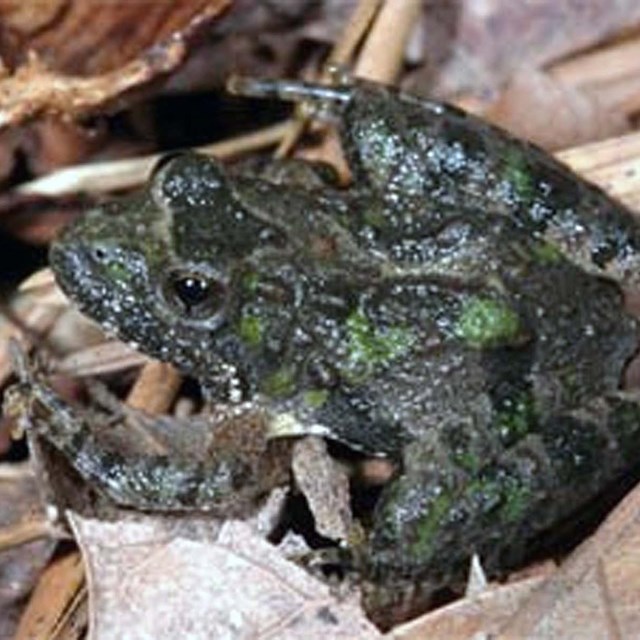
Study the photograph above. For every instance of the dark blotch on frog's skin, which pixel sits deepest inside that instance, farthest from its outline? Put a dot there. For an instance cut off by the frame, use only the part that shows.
(457, 309)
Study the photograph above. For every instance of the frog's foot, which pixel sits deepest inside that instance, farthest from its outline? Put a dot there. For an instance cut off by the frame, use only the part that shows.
(320, 100)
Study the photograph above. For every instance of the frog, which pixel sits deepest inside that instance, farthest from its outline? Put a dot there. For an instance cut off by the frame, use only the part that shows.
(458, 309)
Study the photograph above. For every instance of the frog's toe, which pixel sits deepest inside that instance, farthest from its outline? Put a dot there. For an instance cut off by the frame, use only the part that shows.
(289, 90)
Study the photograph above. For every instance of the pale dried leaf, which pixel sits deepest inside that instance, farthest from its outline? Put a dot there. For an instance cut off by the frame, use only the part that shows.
(589, 158)
(467, 617)
(100, 359)
(551, 114)
(117, 175)
(146, 583)
(597, 65)
(42, 282)
(613, 164)
(28, 317)
(19, 566)
(477, 581)
(383, 51)
(73, 331)
(325, 485)
(490, 40)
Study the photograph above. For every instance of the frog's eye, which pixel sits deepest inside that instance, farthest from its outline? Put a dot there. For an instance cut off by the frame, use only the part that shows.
(196, 295)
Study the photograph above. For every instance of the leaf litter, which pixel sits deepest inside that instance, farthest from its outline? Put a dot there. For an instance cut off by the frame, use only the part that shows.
(601, 583)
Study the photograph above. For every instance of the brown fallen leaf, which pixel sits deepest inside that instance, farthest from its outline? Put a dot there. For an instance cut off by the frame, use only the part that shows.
(25, 317)
(36, 219)
(59, 591)
(611, 73)
(89, 37)
(155, 388)
(91, 41)
(613, 164)
(205, 582)
(106, 357)
(551, 114)
(490, 40)
(24, 545)
(36, 88)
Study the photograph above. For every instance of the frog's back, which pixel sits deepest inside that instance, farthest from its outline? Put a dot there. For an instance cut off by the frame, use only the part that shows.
(430, 159)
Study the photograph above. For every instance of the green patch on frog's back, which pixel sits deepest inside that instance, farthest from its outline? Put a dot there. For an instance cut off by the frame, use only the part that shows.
(501, 495)
(250, 281)
(429, 525)
(251, 330)
(369, 347)
(315, 398)
(510, 497)
(517, 175)
(485, 322)
(546, 253)
(281, 383)
(433, 510)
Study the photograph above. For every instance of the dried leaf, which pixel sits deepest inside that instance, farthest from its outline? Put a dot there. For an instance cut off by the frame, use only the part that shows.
(156, 388)
(27, 316)
(36, 219)
(20, 565)
(37, 86)
(383, 51)
(35, 90)
(103, 358)
(526, 105)
(325, 485)
(612, 164)
(146, 582)
(104, 177)
(490, 40)
(89, 37)
(465, 618)
(60, 586)
(609, 72)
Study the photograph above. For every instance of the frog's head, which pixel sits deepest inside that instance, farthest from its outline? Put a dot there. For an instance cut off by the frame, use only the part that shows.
(162, 268)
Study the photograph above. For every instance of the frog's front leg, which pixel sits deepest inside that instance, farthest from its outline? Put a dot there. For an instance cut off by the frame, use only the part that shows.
(447, 504)
(242, 467)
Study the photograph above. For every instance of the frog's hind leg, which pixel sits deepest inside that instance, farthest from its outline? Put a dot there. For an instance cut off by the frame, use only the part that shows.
(447, 505)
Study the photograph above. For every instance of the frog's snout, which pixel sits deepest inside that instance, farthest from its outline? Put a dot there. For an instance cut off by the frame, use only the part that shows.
(70, 263)
(60, 258)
